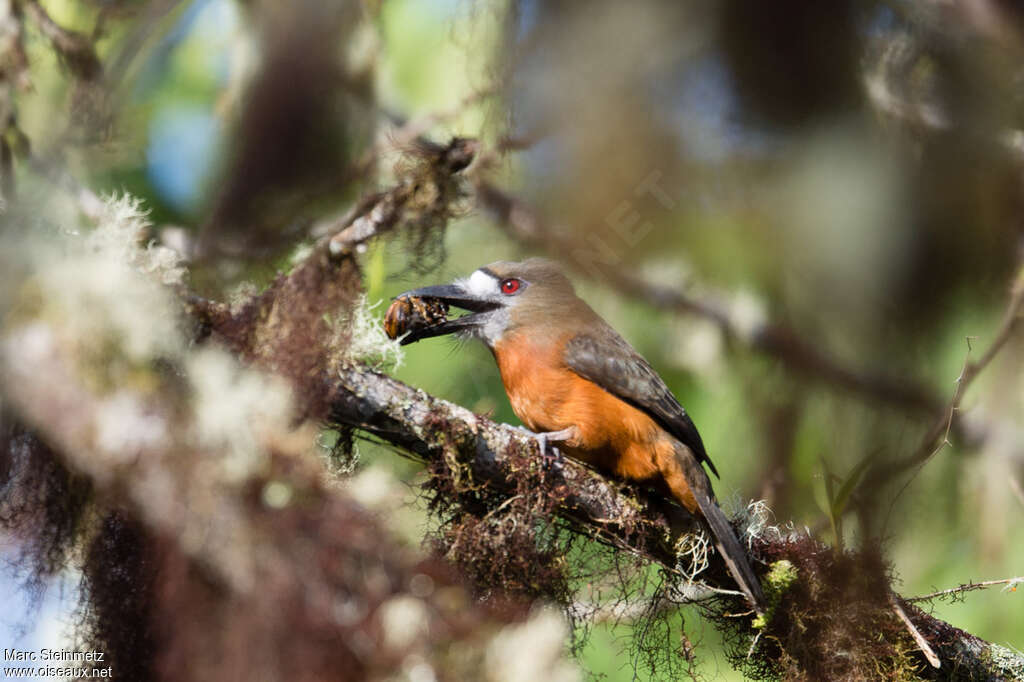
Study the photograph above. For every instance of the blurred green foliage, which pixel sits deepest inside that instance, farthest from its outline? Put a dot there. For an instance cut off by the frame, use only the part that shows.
(955, 522)
(935, 530)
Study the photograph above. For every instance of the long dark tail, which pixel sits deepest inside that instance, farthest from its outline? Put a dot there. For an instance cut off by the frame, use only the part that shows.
(721, 532)
(731, 550)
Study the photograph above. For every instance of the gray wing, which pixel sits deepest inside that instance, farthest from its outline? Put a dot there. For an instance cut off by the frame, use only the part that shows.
(610, 362)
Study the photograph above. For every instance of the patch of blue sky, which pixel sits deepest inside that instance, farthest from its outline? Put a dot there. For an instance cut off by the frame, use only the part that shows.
(214, 25)
(31, 621)
(529, 13)
(703, 109)
(182, 148)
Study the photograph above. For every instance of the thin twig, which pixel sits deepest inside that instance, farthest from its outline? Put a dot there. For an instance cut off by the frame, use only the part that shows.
(76, 49)
(1011, 584)
(619, 612)
(753, 644)
(379, 212)
(409, 131)
(922, 643)
(635, 609)
(938, 436)
(413, 129)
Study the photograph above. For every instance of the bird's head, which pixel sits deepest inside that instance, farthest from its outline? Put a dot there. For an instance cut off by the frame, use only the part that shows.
(501, 297)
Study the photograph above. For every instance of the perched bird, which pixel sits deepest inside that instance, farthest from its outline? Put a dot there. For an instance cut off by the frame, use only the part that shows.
(571, 378)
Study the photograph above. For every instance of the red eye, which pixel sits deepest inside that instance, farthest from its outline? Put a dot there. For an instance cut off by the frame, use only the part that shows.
(510, 286)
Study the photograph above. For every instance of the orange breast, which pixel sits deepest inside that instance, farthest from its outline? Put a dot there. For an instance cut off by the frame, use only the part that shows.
(611, 434)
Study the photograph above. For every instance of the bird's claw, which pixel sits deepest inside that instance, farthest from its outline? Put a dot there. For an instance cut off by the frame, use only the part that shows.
(549, 455)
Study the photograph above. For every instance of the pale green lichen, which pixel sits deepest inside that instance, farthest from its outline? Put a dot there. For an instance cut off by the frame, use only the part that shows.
(1005, 661)
(228, 402)
(755, 519)
(121, 227)
(692, 552)
(106, 293)
(369, 344)
(241, 295)
(780, 577)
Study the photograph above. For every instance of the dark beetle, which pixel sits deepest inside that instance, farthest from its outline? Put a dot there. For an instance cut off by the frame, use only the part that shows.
(411, 313)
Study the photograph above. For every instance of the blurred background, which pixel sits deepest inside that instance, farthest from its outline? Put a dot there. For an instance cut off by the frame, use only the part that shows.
(834, 192)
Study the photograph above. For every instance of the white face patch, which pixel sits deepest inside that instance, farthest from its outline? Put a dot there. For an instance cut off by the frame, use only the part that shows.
(480, 284)
(486, 287)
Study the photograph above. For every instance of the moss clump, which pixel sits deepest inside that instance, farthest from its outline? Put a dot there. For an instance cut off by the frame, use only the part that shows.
(507, 546)
(776, 582)
(829, 618)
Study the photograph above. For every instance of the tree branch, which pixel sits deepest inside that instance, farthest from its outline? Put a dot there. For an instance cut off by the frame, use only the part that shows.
(937, 436)
(431, 429)
(1010, 583)
(75, 49)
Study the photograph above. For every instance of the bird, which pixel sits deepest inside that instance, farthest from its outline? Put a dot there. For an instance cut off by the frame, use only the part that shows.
(575, 381)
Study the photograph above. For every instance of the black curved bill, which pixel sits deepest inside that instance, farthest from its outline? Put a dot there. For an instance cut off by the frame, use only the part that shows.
(453, 295)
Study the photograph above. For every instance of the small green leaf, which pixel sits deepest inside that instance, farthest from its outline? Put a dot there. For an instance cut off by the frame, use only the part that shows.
(843, 496)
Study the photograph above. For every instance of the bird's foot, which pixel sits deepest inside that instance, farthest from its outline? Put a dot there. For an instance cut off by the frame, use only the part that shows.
(550, 455)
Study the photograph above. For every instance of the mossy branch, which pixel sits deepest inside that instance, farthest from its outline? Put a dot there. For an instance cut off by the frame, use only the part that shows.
(820, 585)
(430, 429)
